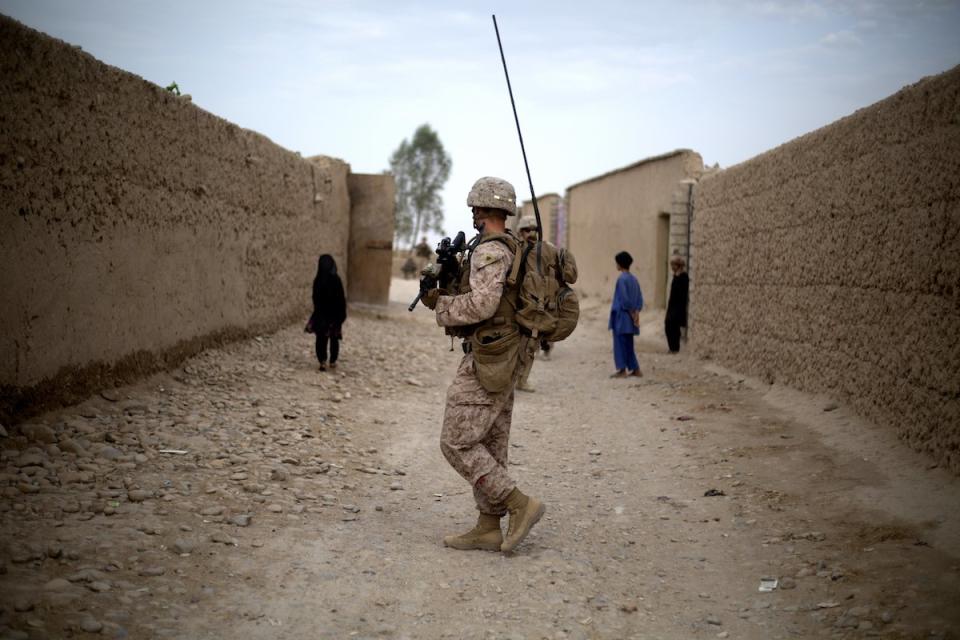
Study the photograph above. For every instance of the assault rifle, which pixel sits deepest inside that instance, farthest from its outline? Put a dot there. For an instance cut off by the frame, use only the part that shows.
(446, 270)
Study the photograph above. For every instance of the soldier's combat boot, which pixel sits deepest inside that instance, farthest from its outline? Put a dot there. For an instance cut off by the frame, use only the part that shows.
(485, 535)
(524, 513)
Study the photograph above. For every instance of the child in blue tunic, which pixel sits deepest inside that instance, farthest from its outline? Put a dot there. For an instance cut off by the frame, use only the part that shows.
(625, 318)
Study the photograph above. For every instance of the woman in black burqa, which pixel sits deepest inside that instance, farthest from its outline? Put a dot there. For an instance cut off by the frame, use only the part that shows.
(329, 310)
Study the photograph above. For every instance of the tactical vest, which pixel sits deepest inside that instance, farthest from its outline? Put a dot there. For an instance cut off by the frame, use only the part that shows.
(507, 308)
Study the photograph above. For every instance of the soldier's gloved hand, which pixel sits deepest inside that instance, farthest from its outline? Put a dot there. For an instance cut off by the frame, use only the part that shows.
(430, 298)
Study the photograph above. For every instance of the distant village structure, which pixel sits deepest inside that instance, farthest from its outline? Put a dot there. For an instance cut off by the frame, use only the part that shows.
(642, 208)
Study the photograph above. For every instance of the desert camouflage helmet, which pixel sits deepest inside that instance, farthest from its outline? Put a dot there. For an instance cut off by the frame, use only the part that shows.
(494, 193)
(527, 222)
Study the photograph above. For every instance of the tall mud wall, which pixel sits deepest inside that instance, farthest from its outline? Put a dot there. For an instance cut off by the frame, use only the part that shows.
(136, 228)
(832, 263)
(372, 200)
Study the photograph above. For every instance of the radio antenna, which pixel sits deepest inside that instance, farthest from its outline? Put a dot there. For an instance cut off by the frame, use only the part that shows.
(526, 165)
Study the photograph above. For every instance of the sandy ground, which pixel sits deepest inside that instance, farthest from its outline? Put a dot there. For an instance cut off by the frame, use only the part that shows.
(247, 495)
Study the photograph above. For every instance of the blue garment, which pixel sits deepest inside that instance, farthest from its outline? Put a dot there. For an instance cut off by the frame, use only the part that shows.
(624, 356)
(627, 297)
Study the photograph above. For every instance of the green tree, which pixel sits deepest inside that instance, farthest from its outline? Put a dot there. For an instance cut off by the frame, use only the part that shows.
(420, 167)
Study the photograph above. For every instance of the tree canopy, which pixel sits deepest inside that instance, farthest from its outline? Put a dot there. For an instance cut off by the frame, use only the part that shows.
(420, 167)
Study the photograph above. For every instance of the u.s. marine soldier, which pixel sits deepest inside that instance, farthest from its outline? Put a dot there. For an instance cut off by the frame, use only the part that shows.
(476, 421)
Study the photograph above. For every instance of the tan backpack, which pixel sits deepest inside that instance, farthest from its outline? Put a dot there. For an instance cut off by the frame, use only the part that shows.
(546, 305)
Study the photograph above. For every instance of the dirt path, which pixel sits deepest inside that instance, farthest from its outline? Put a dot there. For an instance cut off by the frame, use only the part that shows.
(311, 505)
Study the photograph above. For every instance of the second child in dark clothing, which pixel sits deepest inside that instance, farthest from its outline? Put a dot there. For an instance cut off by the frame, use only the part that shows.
(676, 317)
(329, 310)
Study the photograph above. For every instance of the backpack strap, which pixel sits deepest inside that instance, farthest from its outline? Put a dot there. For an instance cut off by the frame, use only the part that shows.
(518, 259)
(561, 253)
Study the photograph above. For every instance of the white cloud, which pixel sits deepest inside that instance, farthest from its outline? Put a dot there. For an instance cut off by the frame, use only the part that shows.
(841, 39)
(790, 9)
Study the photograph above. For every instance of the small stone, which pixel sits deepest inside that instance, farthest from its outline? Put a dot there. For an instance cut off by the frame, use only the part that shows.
(723, 634)
(29, 460)
(87, 575)
(139, 495)
(275, 508)
(223, 538)
(39, 433)
(396, 486)
(21, 553)
(595, 452)
(212, 511)
(109, 453)
(240, 475)
(91, 625)
(69, 445)
(279, 475)
(831, 406)
(98, 586)
(714, 620)
(182, 546)
(242, 520)
(886, 617)
(788, 583)
(57, 584)
(23, 603)
(152, 572)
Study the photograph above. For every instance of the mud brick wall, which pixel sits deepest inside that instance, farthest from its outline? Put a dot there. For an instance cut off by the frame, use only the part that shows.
(372, 198)
(832, 264)
(136, 228)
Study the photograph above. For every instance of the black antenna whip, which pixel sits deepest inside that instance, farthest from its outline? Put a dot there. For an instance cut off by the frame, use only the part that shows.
(536, 209)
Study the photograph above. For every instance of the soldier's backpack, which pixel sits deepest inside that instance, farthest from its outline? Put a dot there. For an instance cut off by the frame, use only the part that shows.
(546, 305)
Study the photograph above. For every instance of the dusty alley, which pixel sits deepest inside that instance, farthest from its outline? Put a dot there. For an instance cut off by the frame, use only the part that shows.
(248, 495)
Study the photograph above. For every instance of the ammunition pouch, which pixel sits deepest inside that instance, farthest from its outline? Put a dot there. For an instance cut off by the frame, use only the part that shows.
(496, 353)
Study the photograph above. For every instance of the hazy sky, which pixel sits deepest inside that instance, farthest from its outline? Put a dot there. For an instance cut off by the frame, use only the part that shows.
(598, 84)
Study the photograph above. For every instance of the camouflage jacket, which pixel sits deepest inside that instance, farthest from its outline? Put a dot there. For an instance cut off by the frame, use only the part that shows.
(489, 268)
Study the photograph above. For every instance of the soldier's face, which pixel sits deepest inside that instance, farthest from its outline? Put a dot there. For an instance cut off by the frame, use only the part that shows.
(479, 218)
(528, 234)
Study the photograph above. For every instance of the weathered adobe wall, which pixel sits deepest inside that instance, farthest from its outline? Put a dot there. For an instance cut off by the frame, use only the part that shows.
(620, 211)
(136, 228)
(372, 199)
(832, 263)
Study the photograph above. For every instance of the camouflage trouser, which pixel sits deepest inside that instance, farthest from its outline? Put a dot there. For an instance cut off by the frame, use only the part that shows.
(525, 372)
(475, 437)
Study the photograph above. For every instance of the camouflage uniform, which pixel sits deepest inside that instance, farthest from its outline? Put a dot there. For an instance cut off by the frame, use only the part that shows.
(476, 423)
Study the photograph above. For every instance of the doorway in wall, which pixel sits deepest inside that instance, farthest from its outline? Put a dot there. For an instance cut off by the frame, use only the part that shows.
(663, 249)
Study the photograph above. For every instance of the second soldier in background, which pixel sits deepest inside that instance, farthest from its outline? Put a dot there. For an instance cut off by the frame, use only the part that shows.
(528, 233)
